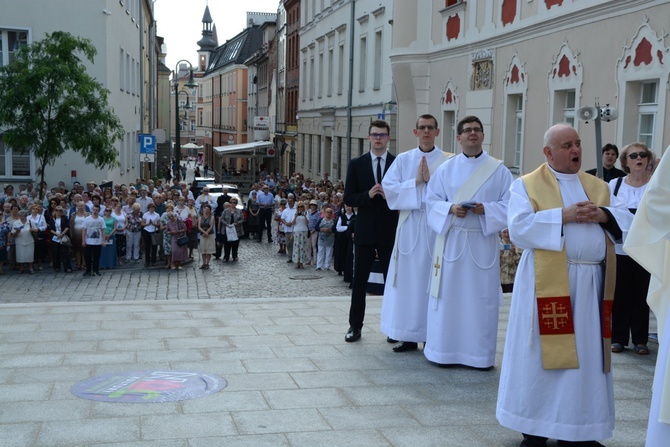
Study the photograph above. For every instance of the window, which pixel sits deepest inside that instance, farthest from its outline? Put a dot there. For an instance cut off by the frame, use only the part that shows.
(122, 75)
(514, 132)
(340, 69)
(10, 42)
(127, 73)
(448, 131)
(303, 73)
(309, 153)
(377, 76)
(647, 110)
(362, 64)
(312, 79)
(518, 131)
(329, 92)
(564, 101)
(320, 74)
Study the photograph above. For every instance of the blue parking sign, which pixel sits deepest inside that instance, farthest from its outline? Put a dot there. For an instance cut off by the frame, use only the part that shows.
(147, 144)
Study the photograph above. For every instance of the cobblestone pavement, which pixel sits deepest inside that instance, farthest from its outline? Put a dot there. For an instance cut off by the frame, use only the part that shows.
(260, 273)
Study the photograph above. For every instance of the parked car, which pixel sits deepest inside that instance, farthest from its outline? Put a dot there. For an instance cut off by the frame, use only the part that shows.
(216, 190)
(200, 182)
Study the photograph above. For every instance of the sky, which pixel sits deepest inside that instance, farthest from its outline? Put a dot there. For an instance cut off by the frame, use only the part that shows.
(179, 22)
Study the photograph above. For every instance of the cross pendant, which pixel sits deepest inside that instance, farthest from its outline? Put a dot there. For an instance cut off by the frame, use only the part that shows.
(437, 264)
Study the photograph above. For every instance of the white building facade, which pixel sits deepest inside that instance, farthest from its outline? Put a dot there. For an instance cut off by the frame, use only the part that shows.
(345, 82)
(124, 36)
(524, 65)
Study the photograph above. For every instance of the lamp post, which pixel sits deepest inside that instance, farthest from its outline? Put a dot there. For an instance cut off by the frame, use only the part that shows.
(190, 84)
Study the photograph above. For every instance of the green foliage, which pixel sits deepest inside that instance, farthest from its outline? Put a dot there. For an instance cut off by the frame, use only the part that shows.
(49, 104)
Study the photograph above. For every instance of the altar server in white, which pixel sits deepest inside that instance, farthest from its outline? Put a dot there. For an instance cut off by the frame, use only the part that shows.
(648, 243)
(405, 304)
(467, 206)
(555, 380)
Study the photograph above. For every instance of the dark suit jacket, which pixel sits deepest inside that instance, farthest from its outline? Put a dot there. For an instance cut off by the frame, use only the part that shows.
(375, 222)
(608, 174)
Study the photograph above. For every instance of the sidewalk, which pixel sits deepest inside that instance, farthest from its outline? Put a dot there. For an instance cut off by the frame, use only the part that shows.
(292, 380)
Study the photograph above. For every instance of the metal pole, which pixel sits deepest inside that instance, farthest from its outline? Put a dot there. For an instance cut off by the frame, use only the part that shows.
(177, 136)
(599, 142)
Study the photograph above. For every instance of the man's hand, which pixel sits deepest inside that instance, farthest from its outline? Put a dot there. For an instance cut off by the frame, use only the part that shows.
(584, 212)
(424, 173)
(376, 190)
(458, 210)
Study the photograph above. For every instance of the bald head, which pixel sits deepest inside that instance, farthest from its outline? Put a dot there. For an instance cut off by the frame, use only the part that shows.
(563, 148)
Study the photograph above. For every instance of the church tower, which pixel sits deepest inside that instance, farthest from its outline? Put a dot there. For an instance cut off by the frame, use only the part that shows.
(208, 43)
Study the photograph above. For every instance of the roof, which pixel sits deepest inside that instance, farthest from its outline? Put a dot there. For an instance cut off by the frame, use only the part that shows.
(236, 50)
(256, 148)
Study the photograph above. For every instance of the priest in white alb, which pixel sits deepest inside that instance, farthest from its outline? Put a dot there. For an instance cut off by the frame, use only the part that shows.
(467, 206)
(648, 243)
(556, 380)
(405, 303)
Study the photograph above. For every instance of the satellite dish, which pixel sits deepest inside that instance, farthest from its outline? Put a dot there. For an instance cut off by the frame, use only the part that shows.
(587, 113)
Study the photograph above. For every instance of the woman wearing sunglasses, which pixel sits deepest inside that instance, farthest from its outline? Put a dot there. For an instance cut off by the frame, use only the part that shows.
(630, 312)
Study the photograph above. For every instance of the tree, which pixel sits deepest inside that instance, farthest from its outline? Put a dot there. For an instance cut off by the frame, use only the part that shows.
(50, 104)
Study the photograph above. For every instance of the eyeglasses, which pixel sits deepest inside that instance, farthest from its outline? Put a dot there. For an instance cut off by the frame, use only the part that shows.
(468, 130)
(426, 127)
(379, 135)
(634, 155)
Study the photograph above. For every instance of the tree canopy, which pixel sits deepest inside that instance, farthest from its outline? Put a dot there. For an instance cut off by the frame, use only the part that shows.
(50, 104)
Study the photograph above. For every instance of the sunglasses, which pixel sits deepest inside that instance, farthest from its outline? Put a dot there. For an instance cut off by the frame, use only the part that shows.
(634, 155)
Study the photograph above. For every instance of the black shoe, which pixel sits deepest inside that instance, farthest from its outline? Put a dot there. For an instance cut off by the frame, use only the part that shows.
(270, 241)
(533, 441)
(85, 273)
(580, 443)
(289, 261)
(352, 335)
(404, 346)
(390, 340)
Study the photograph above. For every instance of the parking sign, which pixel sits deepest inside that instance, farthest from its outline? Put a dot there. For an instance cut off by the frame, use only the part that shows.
(147, 148)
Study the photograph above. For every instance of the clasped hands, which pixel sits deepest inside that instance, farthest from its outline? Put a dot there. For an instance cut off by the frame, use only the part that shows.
(378, 189)
(460, 211)
(424, 173)
(584, 212)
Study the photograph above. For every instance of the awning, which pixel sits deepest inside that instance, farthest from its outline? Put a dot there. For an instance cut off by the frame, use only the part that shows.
(257, 148)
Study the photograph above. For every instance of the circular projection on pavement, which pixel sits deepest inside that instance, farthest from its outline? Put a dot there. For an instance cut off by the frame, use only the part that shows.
(149, 386)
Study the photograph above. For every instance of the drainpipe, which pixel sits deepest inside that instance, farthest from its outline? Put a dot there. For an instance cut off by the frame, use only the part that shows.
(350, 94)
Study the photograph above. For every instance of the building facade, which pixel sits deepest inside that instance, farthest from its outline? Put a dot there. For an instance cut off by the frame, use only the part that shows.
(123, 33)
(345, 82)
(524, 65)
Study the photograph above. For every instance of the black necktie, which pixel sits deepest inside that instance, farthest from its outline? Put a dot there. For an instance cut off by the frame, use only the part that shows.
(379, 169)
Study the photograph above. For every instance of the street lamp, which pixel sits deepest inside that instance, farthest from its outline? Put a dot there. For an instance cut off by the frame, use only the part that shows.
(191, 84)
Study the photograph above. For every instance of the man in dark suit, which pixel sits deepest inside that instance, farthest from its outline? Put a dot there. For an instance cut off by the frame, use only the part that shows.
(374, 230)
(610, 154)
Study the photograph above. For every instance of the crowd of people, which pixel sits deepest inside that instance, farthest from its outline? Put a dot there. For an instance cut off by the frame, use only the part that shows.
(94, 227)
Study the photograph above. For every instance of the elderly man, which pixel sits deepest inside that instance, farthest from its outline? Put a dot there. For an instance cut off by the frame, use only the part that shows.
(266, 201)
(556, 380)
(286, 219)
(203, 198)
(144, 200)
